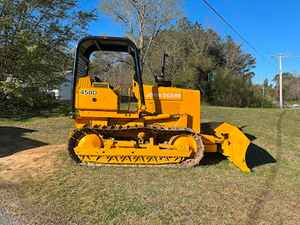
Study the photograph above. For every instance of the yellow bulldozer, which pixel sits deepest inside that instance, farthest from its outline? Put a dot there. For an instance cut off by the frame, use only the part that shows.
(164, 129)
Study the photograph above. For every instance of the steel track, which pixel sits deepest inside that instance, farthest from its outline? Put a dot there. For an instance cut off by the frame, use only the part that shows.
(112, 131)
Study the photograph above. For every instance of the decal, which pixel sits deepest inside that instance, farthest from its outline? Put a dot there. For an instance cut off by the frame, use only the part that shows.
(88, 92)
(166, 96)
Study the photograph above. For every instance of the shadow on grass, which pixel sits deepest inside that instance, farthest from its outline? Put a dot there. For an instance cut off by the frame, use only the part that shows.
(12, 140)
(212, 158)
(255, 156)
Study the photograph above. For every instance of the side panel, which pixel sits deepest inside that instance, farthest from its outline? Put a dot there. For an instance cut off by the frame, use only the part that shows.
(94, 98)
(191, 106)
(171, 100)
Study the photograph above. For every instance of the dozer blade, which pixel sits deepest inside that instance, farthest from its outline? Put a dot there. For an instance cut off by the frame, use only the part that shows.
(231, 142)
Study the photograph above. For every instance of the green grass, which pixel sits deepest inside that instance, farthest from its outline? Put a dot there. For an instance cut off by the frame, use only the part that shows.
(208, 194)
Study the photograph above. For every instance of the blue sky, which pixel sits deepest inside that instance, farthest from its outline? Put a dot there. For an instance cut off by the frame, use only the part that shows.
(271, 26)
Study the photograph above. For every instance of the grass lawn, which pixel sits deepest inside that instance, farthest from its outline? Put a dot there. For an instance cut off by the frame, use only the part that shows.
(214, 193)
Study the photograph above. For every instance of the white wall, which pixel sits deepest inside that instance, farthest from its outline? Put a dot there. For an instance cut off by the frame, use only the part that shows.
(65, 89)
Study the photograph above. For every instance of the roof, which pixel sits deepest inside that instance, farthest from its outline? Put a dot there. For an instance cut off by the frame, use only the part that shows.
(86, 46)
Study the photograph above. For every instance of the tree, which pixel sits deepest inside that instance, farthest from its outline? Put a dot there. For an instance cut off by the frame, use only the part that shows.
(200, 59)
(143, 19)
(116, 68)
(237, 61)
(266, 83)
(290, 86)
(35, 39)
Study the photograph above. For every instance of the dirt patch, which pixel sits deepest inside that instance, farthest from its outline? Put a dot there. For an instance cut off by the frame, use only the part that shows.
(31, 163)
(6, 219)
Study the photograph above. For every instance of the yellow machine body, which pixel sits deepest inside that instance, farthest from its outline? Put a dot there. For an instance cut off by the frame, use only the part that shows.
(169, 107)
(166, 106)
(162, 127)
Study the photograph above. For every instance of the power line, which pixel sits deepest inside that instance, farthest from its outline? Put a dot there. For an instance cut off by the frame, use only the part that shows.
(222, 18)
(279, 56)
(232, 28)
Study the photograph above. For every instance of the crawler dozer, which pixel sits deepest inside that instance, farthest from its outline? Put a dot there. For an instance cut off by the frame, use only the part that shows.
(164, 129)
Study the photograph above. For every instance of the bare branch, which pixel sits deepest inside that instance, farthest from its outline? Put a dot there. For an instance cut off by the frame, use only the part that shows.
(143, 19)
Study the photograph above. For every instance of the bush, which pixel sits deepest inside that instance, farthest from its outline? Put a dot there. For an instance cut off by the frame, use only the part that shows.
(227, 89)
(18, 100)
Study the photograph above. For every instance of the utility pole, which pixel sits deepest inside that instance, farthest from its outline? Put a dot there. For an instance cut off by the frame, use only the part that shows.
(280, 82)
(280, 57)
(263, 94)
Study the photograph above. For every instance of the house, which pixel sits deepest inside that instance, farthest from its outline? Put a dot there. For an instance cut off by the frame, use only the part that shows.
(64, 91)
